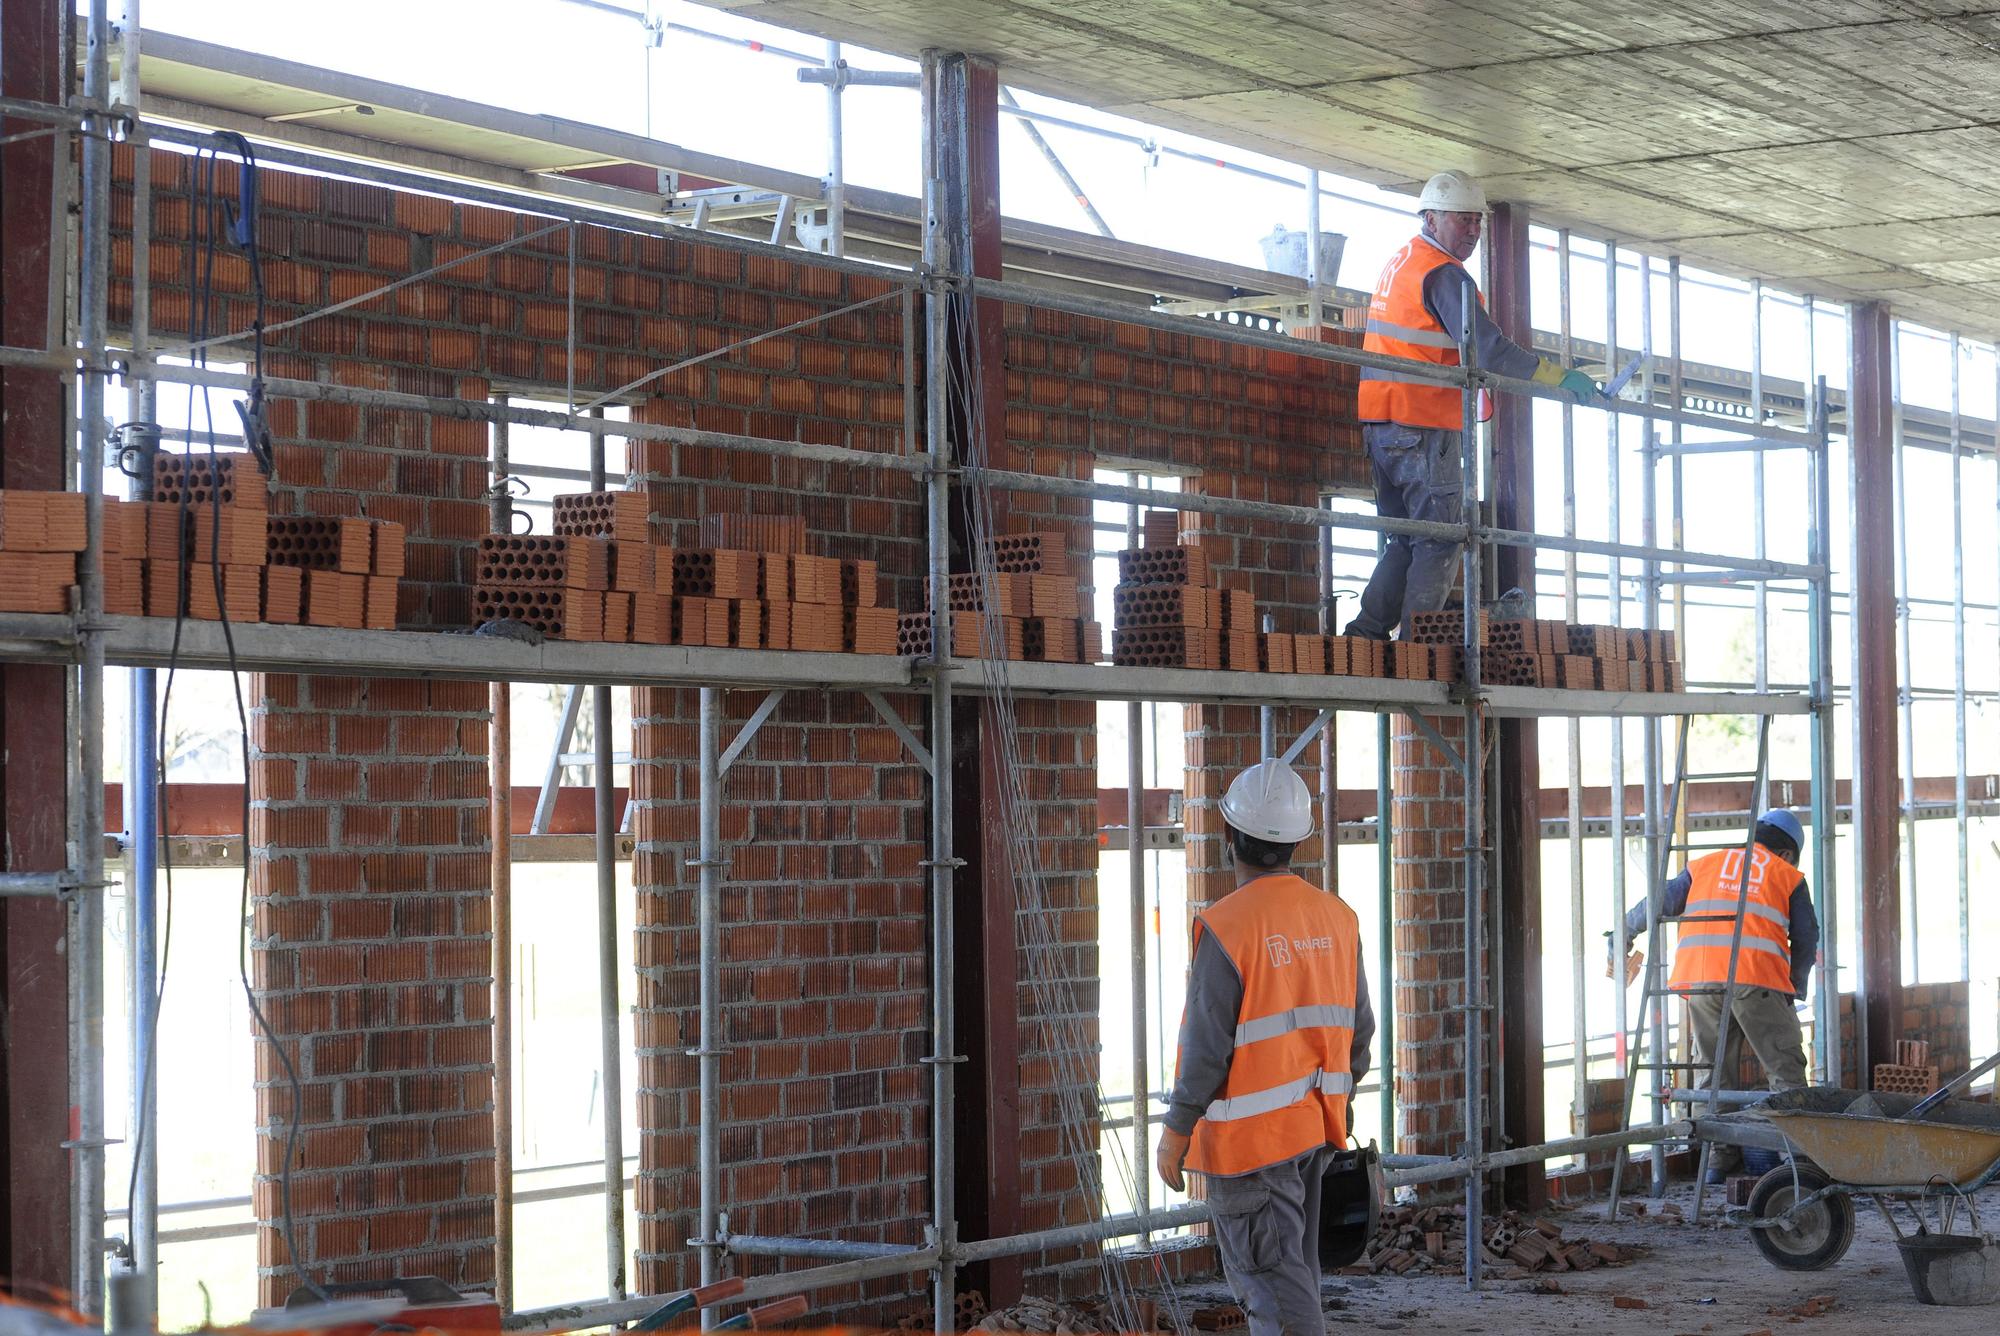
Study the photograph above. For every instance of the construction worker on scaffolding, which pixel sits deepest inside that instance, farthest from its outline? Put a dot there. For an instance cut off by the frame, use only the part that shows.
(1411, 427)
(1773, 963)
(1274, 1039)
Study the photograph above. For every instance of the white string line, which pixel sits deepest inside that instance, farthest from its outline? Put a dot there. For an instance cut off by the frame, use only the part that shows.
(175, 349)
(727, 348)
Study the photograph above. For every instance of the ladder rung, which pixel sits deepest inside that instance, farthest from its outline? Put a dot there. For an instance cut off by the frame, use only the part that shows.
(1722, 774)
(1692, 848)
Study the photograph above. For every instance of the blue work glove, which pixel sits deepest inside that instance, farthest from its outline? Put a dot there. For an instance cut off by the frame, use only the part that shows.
(1585, 390)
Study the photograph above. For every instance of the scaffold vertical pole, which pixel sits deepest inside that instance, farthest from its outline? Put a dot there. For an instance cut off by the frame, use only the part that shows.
(1473, 828)
(1826, 1002)
(86, 944)
(938, 261)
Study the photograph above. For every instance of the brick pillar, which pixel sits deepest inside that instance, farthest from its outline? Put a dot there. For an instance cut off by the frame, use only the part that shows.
(371, 880)
(370, 888)
(1430, 941)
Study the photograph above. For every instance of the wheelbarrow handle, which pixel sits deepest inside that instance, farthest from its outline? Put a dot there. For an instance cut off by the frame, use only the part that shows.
(1952, 1087)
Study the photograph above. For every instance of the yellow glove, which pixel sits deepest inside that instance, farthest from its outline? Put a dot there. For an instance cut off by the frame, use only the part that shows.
(1581, 387)
(1173, 1151)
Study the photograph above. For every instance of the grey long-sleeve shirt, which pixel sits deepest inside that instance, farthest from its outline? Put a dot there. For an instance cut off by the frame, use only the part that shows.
(1444, 298)
(1208, 1032)
(1804, 925)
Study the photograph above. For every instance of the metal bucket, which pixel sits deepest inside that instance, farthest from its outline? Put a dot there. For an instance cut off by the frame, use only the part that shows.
(1958, 1270)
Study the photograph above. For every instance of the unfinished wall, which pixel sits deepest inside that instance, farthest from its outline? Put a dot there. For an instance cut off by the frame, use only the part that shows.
(369, 840)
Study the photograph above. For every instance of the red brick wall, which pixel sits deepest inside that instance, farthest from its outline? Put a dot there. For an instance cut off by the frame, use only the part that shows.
(370, 894)
(824, 975)
(1428, 845)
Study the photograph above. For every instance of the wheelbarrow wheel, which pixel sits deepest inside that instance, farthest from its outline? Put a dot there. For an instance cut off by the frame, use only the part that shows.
(1816, 1237)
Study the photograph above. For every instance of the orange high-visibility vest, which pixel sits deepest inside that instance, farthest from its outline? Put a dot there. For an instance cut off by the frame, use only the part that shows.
(1701, 956)
(1296, 949)
(1400, 325)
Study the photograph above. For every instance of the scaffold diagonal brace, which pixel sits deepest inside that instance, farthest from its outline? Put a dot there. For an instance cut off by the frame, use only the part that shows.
(748, 732)
(1305, 738)
(1437, 739)
(918, 751)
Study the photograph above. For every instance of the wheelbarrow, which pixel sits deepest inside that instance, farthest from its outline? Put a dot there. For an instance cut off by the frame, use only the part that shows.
(1847, 1145)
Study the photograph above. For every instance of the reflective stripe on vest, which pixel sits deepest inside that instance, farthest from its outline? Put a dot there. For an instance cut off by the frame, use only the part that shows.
(1284, 1022)
(1296, 950)
(1764, 955)
(1278, 1097)
(1728, 907)
(1400, 325)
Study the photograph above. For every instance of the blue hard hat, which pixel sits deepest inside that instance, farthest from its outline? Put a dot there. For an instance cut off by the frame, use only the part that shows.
(1781, 818)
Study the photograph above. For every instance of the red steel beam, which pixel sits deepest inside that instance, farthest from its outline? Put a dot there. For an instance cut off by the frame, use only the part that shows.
(1514, 810)
(966, 167)
(1872, 485)
(34, 1072)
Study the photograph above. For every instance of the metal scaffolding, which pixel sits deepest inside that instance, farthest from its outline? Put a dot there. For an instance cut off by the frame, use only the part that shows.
(89, 640)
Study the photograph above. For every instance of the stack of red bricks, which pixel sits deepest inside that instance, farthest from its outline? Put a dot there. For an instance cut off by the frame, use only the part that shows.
(1532, 653)
(205, 547)
(751, 585)
(1025, 603)
(332, 570)
(40, 535)
(1912, 1073)
(1171, 610)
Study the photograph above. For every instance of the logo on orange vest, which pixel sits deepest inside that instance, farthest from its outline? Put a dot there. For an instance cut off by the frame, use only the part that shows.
(1280, 949)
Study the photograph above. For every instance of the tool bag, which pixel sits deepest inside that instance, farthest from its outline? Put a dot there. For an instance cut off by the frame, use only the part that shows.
(1350, 1196)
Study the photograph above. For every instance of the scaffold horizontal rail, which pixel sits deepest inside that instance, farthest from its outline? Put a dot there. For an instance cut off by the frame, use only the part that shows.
(147, 642)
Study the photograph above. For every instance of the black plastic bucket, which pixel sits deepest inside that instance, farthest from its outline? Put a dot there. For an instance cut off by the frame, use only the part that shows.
(1958, 1270)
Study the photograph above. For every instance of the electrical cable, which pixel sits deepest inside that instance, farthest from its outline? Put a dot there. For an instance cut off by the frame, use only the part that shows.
(206, 205)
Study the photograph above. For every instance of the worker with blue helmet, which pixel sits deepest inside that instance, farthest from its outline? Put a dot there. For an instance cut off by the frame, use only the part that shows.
(1775, 951)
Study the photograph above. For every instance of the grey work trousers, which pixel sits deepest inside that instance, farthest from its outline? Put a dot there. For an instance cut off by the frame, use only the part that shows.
(1418, 476)
(1267, 1225)
(1766, 1018)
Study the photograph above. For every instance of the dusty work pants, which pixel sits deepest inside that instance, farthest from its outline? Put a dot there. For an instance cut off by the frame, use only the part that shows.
(1418, 476)
(1267, 1225)
(1765, 1017)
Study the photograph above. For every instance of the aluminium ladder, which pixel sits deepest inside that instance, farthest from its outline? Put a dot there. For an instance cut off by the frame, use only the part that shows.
(1652, 1018)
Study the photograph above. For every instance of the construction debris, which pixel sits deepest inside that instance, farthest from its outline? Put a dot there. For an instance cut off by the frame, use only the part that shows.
(1049, 1317)
(1817, 1306)
(1432, 1238)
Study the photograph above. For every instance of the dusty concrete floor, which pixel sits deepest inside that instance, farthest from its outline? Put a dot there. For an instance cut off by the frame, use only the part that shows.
(1686, 1265)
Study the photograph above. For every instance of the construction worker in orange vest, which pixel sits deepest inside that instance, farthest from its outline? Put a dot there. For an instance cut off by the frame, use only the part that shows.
(1411, 427)
(1274, 1039)
(1774, 960)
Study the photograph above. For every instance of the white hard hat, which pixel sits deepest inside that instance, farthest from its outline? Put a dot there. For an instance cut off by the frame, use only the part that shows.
(1452, 192)
(1269, 802)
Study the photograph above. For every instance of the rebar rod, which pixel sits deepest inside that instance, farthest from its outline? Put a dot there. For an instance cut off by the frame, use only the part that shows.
(1905, 696)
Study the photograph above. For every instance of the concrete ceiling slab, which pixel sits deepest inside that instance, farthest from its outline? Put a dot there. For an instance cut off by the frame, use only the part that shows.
(1794, 140)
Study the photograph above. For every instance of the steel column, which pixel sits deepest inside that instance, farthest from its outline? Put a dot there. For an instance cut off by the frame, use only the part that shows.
(1135, 864)
(1516, 803)
(35, 1239)
(1871, 468)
